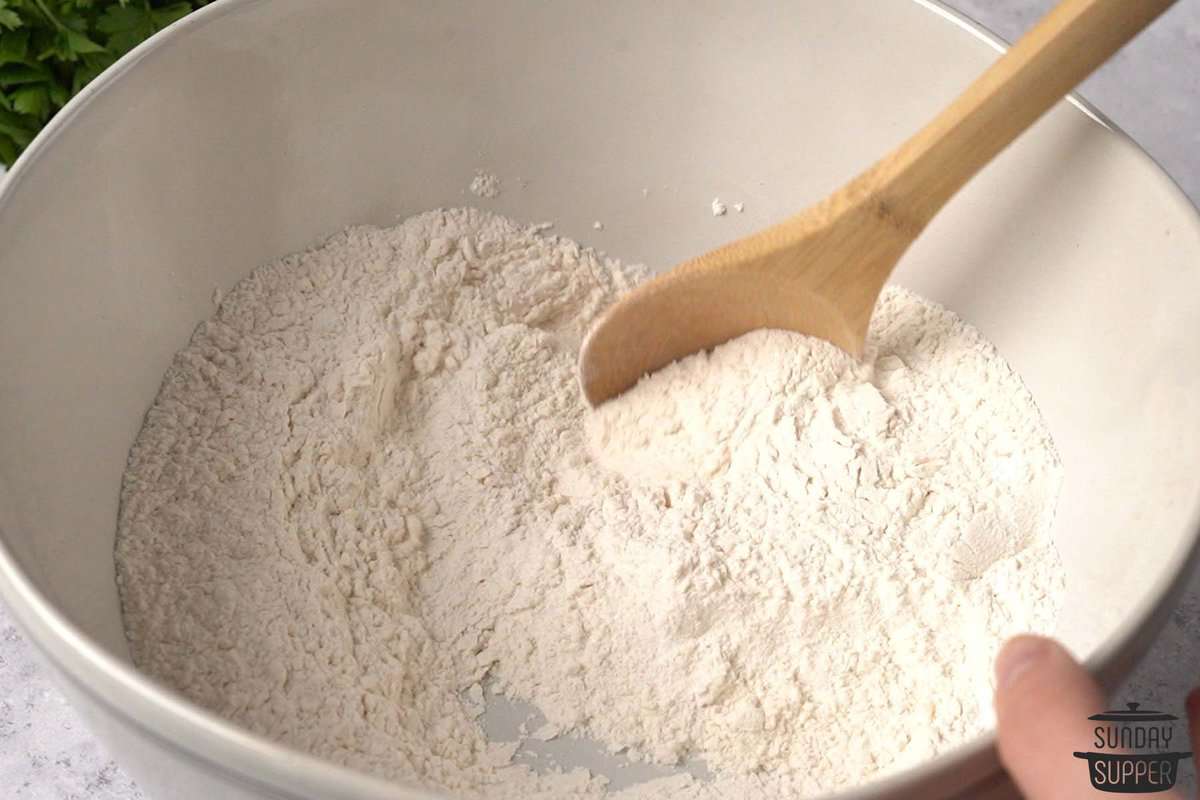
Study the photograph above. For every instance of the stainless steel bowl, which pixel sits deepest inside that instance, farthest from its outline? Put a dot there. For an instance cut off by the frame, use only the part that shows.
(254, 127)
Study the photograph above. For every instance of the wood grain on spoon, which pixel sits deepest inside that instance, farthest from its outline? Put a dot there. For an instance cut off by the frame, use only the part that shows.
(821, 271)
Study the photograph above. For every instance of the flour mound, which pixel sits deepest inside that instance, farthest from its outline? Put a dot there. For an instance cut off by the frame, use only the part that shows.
(368, 488)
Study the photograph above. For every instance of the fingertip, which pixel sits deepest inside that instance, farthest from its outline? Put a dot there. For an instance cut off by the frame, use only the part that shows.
(1043, 700)
(1018, 656)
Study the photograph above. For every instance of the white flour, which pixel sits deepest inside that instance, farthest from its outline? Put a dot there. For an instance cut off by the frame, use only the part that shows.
(369, 485)
(485, 185)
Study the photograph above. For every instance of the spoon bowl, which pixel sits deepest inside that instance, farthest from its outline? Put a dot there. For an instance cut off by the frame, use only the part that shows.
(791, 276)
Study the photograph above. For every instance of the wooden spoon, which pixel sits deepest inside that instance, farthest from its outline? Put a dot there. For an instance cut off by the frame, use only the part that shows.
(820, 272)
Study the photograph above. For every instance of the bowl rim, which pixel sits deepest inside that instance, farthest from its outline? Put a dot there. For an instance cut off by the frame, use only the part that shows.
(258, 763)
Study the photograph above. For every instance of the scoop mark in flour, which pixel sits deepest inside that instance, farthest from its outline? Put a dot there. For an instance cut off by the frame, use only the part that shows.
(519, 724)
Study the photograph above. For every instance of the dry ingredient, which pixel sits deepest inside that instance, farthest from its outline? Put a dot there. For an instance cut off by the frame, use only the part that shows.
(485, 185)
(720, 208)
(369, 490)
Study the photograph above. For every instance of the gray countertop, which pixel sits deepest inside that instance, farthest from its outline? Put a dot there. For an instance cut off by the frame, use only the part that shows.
(1151, 89)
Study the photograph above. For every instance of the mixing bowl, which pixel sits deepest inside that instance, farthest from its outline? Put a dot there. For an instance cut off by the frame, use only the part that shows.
(255, 127)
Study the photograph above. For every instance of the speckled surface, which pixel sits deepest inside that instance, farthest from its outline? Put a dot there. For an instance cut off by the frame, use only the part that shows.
(1151, 89)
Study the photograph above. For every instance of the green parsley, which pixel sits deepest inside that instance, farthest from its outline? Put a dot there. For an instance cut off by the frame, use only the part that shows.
(50, 49)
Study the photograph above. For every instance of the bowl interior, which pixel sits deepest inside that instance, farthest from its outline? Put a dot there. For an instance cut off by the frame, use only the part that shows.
(271, 125)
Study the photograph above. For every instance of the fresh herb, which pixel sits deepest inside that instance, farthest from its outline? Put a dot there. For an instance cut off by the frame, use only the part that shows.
(50, 49)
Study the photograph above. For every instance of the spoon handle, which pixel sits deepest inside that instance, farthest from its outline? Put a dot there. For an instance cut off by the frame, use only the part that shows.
(1065, 47)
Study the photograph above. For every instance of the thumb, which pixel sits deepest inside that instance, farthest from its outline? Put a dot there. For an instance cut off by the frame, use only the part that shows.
(1043, 701)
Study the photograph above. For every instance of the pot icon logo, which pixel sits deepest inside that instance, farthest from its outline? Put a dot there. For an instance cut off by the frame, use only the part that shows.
(1132, 752)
